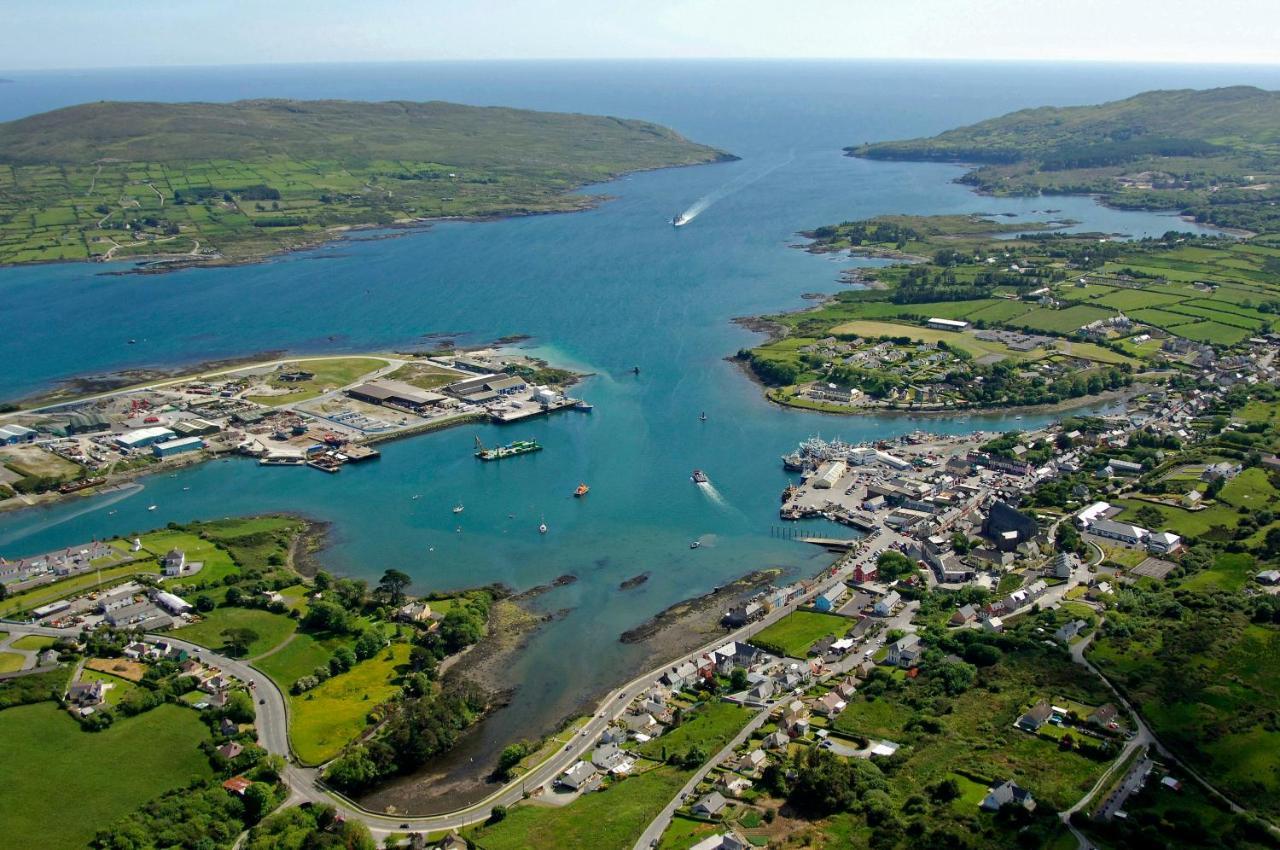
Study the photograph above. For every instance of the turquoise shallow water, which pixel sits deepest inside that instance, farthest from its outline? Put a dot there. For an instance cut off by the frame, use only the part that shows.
(603, 290)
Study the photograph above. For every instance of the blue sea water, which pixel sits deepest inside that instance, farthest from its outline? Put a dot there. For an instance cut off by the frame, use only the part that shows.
(603, 290)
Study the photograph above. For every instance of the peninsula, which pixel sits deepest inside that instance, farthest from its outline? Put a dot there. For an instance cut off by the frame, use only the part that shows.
(235, 182)
(1213, 154)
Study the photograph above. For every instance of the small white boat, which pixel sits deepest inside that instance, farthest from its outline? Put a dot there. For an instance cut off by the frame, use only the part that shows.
(695, 544)
(457, 509)
(152, 508)
(542, 526)
(415, 498)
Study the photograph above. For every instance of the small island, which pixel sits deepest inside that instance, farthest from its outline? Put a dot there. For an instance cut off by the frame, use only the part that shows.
(188, 183)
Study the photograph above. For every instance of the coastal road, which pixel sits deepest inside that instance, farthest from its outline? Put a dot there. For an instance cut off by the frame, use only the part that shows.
(272, 710)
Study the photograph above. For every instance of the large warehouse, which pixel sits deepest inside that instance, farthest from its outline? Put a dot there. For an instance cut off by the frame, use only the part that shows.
(395, 393)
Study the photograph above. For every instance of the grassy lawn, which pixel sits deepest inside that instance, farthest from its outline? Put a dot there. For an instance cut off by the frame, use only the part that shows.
(217, 563)
(10, 661)
(330, 374)
(609, 820)
(795, 633)
(33, 642)
(424, 376)
(327, 718)
(272, 629)
(712, 726)
(298, 658)
(45, 756)
(874, 718)
(684, 832)
(1230, 571)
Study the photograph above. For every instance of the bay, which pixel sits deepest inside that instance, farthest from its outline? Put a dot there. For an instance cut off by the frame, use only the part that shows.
(603, 291)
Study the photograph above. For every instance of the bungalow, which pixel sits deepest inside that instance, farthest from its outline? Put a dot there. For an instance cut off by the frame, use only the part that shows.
(1035, 717)
(237, 785)
(753, 761)
(776, 741)
(726, 841)
(1104, 716)
(964, 614)
(1068, 632)
(612, 759)
(230, 750)
(642, 723)
(905, 651)
(577, 776)
(710, 805)
(993, 624)
(734, 786)
(1224, 470)
(1007, 794)
(885, 604)
(829, 704)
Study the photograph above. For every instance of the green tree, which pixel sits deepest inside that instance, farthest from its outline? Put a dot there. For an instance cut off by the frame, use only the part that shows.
(258, 800)
(738, 680)
(236, 641)
(893, 565)
(392, 586)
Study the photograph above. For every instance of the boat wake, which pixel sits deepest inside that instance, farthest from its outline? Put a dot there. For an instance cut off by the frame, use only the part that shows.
(739, 183)
(709, 490)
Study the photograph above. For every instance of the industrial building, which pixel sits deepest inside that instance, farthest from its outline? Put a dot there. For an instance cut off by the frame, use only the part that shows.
(144, 437)
(947, 324)
(397, 394)
(487, 388)
(181, 445)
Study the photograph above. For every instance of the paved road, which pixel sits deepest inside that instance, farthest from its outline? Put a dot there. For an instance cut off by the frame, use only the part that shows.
(273, 724)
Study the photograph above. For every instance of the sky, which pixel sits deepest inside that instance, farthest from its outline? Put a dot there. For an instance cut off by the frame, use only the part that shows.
(55, 34)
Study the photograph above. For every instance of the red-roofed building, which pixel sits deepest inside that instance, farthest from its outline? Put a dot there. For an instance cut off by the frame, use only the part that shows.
(237, 785)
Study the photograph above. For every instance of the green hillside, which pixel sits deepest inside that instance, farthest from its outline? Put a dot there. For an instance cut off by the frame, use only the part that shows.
(1213, 154)
(236, 181)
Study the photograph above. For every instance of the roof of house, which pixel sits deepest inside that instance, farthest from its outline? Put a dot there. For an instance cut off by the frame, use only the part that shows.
(711, 803)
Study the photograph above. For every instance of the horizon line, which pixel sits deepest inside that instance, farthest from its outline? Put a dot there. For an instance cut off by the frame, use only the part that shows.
(923, 60)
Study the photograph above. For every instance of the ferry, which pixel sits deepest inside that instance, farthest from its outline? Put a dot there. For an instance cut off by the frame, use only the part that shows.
(699, 477)
(519, 447)
(582, 490)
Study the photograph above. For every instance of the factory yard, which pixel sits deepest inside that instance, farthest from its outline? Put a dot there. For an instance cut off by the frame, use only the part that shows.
(320, 412)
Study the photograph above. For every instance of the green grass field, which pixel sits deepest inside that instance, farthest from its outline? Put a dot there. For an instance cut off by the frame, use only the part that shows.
(795, 633)
(711, 726)
(33, 642)
(45, 756)
(610, 820)
(330, 374)
(272, 629)
(325, 719)
(10, 661)
(217, 563)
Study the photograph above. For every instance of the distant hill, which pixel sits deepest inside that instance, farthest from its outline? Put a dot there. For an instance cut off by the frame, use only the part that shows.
(1159, 149)
(347, 131)
(269, 175)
